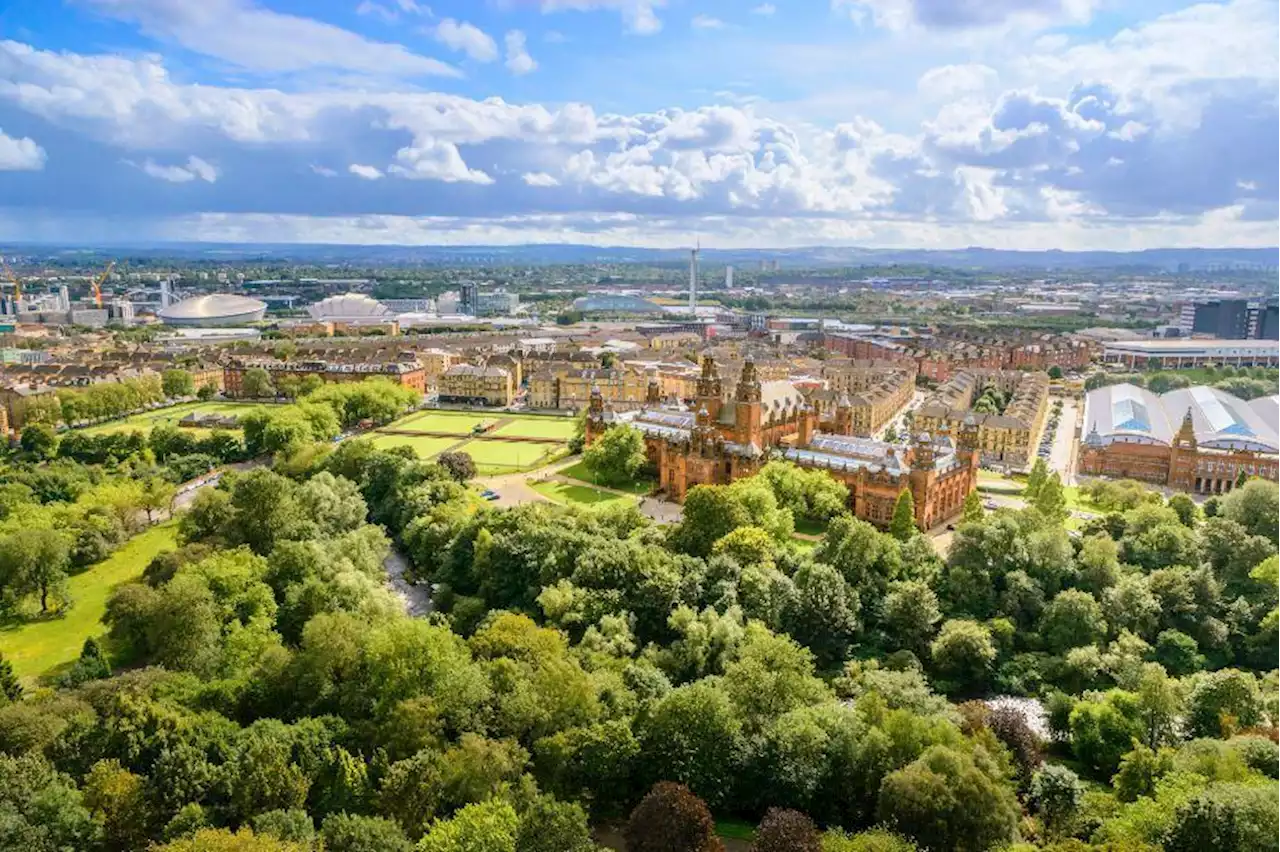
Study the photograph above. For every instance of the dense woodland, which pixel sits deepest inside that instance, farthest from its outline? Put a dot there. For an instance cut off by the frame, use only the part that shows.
(262, 689)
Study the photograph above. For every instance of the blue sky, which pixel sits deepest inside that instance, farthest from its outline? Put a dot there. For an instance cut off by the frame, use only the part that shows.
(929, 123)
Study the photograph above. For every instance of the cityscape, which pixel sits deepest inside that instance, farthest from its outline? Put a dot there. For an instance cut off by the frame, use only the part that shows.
(639, 425)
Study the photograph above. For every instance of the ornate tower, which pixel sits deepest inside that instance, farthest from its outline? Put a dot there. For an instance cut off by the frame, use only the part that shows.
(748, 410)
(808, 425)
(653, 393)
(595, 424)
(844, 414)
(1182, 455)
(710, 387)
(967, 441)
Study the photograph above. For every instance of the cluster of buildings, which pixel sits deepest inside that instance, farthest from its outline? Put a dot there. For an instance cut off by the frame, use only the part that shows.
(942, 352)
(734, 428)
(1007, 437)
(1230, 319)
(1199, 440)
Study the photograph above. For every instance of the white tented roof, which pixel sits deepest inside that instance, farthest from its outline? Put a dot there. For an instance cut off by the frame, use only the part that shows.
(1220, 420)
(348, 306)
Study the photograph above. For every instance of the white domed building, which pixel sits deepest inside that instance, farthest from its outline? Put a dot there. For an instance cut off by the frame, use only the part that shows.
(213, 311)
(350, 308)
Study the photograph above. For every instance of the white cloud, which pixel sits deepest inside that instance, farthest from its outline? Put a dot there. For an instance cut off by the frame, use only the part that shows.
(365, 172)
(765, 9)
(433, 159)
(539, 179)
(965, 14)
(258, 39)
(20, 155)
(323, 171)
(390, 13)
(466, 38)
(948, 81)
(706, 22)
(639, 16)
(518, 59)
(195, 168)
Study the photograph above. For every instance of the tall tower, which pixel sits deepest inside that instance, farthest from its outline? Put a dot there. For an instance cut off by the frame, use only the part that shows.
(728, 278)
(166, 296)
(693, 279)
(747, 415)
(710, 387)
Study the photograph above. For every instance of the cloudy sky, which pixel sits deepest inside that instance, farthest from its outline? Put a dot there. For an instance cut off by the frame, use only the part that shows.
(907, 123)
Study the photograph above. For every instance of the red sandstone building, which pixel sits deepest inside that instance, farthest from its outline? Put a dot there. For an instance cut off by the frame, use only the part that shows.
(1199, 440)
(729, 436)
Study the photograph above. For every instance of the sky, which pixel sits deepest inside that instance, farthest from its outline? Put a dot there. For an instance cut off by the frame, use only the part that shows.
(1016, 124)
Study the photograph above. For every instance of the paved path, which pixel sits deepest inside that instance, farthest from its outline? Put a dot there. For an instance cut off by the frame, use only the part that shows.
(1062, 454)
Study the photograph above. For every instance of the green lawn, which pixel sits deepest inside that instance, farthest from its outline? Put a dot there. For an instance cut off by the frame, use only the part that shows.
(495, 457)
(453, 422)
(808, 527)
(560, 428)
(170, 416)
(736, 829)
(580, 472)
(37, 647)
(422, 445)
(563, 492)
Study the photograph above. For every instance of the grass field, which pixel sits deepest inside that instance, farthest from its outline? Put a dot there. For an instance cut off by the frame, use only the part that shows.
(425, 447)
(495, 457)
(560, 428)
(583, 495)
(580, 472)
(170, 416)
(454, 422)
(37, 647)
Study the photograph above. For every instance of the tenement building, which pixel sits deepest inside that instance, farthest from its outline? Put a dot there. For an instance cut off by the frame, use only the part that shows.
(731, 435)
(873, 392)
(1007, 435)
(477, 385)
(568, 386)
(1200, 440)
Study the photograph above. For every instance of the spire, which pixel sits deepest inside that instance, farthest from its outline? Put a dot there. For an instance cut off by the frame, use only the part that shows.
(749, 389)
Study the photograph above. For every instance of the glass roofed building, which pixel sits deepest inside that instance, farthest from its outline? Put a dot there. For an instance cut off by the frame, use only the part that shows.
(615, 304)
(1198, 439)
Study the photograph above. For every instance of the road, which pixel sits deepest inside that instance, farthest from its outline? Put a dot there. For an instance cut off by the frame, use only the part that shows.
(1062, 455)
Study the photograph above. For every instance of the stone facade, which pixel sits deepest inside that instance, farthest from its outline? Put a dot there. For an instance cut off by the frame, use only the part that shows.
(470, 383)
(1008, 438)
(729, 436)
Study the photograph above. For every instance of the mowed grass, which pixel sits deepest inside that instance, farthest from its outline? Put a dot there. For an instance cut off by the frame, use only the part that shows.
(496, 457)
(37, 647)
(559, 428)
(425, 447)
(582, 473)
(583, 495)
(453, 422)
(170, 416)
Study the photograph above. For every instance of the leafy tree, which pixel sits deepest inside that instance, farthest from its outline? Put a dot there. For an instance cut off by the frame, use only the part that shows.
(345, 832)
(177, 383)
(670, 818)
(963, 654)
(1035, 480)
(876, 840)
(911, 615)
(34, 561)
(947, 799)
(1223, 702)
(1160, 705)
(1178, 653)
(10, 687)
(39, 440)
(482, 827)
(1010, 728)
(551, 826)
(257, 384)
(784, 830)
(1055, 372)
(40, 808)
(222, 840)
(293, 824)
(1103, 730)
(1256, 507)
(1186, 508)
(616, 457)
(1226, 816)
(902, 525)
(1056, 792)
(459, 465)
(118, 802)
(809, 494)
(1071, 619)
(823, 616)
(207, 392)
(973, 510)
(693, 735)
(1139, 771)
(770, 676)
(1050, 500)
(91, 665)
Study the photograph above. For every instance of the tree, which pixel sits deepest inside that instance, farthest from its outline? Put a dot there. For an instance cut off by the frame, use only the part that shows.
(344, 832)
(293, 824)
(91, 665)
(616, 456)
(35, 561)
(1055, 372)
(694, 735)
(1226, 816)
(903, 524)
(40, 440)
(947, 799)
(156, 496)
(1056, 792)
(1178, 653)
(117, 798)
(784, 830)
(823, 615)
(1256, 507)
(1050, 500)
(1103, 730)
(1160, 704)
(482, 827)
(963, 655)
(222, 840)
(1222, 703)
(207, 392)
(551, 826)
(40, 808)
(459, 465)
(1139, 771)
(1188, 511)
(1035, 480)
(911, 615)
(257, 384)
(670, 818)
(973, 510)
(177, 383)
(10, 687)
(1073, 618)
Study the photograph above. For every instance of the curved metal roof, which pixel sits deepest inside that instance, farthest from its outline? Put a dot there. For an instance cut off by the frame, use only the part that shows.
(214, 307)
(348, 306)
(1129, 413)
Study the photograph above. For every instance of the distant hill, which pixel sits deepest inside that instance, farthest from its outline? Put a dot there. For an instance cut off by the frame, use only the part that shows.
(1164, 259)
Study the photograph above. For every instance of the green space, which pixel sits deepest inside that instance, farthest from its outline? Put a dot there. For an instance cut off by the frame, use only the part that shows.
(997, 483)
(36, 647)
(170, 416)
(735, 829)
(496, 457)
(585, 495)
(559, 428)
(580, 472)
(456, 422)
(424, 446)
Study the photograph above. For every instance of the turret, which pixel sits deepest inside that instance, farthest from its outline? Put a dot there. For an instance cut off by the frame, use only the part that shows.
(922, 455)
(710, 387)
(844, 414)
(653, 393)
(748, 415)
(595, 423)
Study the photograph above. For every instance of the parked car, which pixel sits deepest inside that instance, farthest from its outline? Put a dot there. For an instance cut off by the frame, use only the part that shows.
(489, 494)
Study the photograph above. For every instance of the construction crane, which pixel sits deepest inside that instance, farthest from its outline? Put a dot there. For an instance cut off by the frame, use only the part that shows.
(97, 283)
(17, 285)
